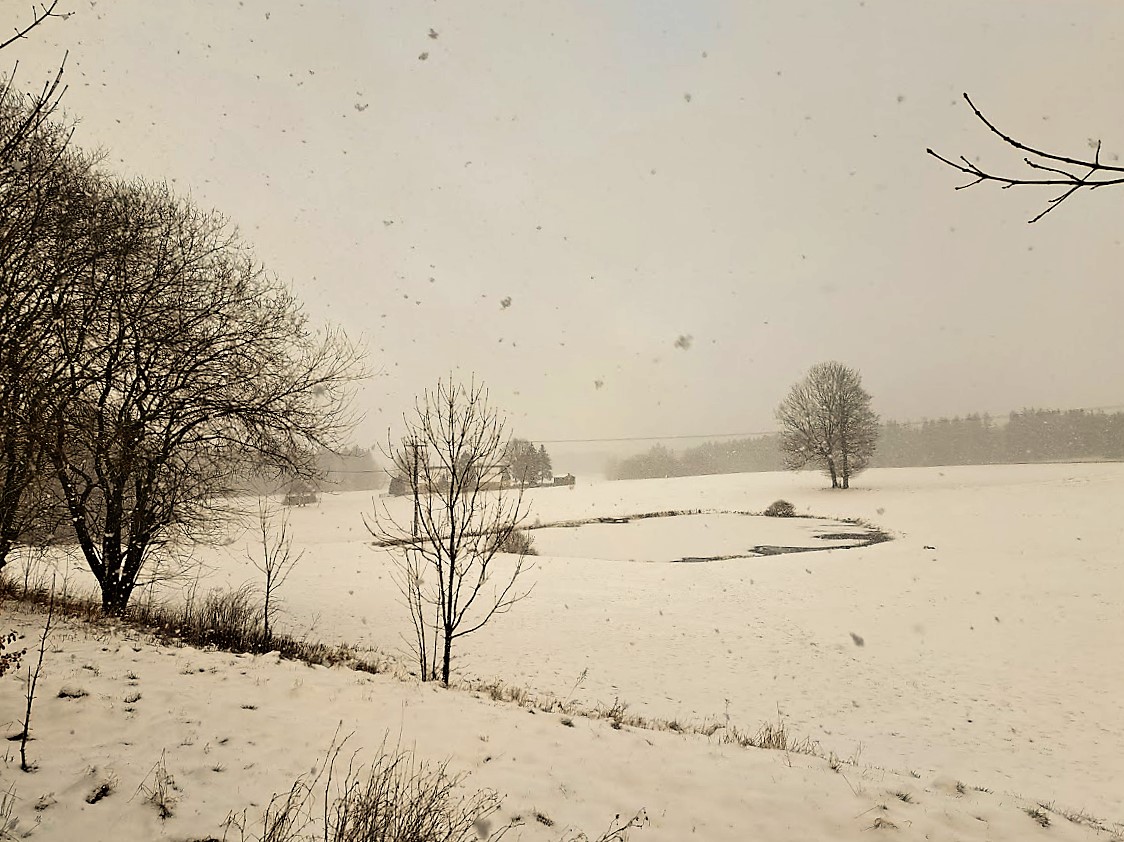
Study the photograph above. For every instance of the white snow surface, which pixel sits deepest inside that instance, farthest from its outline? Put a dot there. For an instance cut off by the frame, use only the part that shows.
(991, 633)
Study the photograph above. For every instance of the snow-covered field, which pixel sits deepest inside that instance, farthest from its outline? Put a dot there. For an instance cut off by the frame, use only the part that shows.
(990, 630)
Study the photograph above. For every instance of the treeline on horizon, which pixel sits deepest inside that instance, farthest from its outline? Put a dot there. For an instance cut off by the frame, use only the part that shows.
(1030, 435)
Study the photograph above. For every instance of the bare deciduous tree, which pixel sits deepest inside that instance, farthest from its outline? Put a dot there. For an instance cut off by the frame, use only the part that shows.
(1066, 173)
(448, 552)
(276, 563)
(826, 420)
(189, 368)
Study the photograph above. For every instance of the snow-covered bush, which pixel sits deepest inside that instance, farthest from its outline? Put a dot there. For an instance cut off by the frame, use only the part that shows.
(780, 508)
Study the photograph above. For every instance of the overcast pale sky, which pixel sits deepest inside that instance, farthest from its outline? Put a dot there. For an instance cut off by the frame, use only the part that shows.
(621, 174)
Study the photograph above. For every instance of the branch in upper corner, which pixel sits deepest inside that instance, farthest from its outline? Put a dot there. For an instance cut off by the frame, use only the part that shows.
(1099, 174)
(38, 15)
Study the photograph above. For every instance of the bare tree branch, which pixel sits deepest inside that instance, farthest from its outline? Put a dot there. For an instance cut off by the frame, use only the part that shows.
(1098, 173)
(39, 14)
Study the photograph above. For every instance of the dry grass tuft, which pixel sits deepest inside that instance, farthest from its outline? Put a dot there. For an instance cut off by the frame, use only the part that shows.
(161, 793)
(230, 621)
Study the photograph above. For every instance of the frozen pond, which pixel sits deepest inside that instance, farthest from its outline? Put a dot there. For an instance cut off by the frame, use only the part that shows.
(695, 537)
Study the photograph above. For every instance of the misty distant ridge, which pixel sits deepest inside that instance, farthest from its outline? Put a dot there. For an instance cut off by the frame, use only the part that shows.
(1029, 435)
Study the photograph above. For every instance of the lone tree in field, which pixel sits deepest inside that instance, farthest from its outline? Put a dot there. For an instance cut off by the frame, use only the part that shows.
(450, 548)
(826, 421)
(1067, 174)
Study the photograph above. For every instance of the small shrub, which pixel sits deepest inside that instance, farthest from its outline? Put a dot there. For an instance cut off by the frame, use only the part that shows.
(519, 542)
(398, 797)
(1038, 815)
(616, 712)
(401, 797)
(780, 508)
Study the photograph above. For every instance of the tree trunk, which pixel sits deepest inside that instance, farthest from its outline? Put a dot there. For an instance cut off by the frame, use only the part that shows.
(265, 611)
(119, 577)
(831, 470)
(447, 658)
(115, 598)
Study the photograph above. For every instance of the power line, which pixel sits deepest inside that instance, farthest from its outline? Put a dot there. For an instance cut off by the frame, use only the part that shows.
(659, 438)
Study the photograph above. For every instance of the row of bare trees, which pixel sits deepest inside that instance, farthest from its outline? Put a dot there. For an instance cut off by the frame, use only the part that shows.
(149, 365)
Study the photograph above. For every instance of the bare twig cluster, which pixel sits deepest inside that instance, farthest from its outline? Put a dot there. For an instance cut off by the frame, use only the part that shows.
(1068, 173)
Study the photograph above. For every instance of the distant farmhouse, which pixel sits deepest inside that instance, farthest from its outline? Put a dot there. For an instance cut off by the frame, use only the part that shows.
(522, 465)
(400, 486)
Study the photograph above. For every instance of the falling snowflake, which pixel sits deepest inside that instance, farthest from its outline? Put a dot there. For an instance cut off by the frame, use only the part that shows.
(684, 342)
(505, 302)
